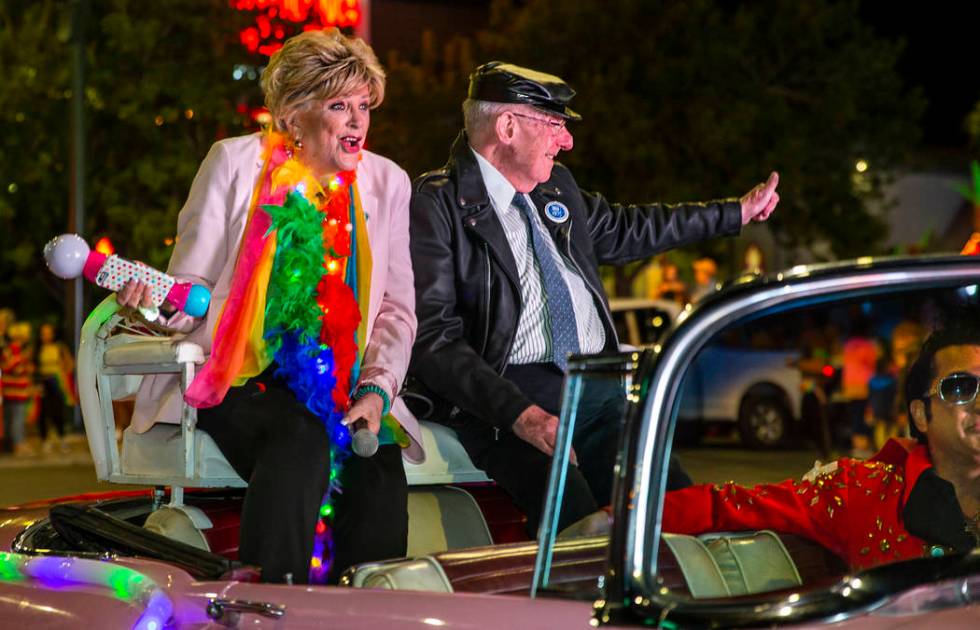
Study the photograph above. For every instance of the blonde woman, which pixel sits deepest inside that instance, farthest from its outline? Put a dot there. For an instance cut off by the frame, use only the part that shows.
(302, 235)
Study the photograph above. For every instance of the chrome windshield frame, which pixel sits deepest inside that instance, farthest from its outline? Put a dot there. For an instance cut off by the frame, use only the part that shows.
(632, 576)
(621, 364)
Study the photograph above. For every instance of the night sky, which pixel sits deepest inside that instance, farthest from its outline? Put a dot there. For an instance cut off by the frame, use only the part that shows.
(940, 56)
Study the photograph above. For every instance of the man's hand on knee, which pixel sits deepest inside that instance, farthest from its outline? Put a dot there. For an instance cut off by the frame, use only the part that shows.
(537, 427)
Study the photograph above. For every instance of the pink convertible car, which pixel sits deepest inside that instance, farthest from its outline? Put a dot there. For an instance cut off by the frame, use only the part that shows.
(166, 557)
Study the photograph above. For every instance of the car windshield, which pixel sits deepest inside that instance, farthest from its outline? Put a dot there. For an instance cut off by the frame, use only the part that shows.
(596, 397)
(782, 449)
(795, 433)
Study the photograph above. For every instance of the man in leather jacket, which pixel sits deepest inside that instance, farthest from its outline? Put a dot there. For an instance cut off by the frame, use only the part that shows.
(506, 251)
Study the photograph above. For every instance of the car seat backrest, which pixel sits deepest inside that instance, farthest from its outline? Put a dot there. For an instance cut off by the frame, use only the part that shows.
(716, 565)
(733, 564)
(753, 562)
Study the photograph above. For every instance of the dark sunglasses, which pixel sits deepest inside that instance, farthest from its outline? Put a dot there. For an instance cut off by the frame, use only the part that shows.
(959, 388)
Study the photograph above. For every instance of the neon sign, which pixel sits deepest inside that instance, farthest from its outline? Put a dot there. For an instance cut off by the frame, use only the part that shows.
(278, 19)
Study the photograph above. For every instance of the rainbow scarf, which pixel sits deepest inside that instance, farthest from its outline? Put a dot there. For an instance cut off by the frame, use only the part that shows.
(314, 227)
(66, 386)
(299, 235)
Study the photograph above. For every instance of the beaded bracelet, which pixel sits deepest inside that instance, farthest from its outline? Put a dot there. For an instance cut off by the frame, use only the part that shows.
(364, 390)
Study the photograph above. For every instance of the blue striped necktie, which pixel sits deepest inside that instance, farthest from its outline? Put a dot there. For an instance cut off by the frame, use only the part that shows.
(564, 332)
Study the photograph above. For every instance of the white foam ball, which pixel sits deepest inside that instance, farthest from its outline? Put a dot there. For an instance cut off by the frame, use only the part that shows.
(66, 255)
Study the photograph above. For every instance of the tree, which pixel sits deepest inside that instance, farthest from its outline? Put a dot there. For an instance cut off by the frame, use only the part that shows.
(691, 99)
(33, 149)
(421, 114)
(972, 126)
(682, 100)
(159, 90)
(698, 99)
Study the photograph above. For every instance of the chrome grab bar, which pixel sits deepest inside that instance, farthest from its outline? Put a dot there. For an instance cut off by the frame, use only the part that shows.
(218, 608)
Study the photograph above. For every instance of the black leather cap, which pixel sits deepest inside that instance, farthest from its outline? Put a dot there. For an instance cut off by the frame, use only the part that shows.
(500, 82)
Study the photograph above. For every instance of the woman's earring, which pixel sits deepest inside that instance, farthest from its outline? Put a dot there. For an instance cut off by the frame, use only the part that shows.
(298, 144)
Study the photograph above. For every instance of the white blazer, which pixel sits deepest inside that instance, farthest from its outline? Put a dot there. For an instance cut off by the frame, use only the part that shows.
(209, 232)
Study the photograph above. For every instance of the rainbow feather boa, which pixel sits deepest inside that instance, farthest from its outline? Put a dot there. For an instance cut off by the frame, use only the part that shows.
(298, 236)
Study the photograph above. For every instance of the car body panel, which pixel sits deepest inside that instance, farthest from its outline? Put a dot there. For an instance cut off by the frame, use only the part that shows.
(946, 601)
(38, 603)
(14, 520)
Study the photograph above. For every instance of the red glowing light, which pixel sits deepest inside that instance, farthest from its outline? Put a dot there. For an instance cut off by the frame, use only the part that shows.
(269, 49)
(277, 19)
(265, 27)
(250, 38)
(828, 371)
(104, 246)
(260, 115)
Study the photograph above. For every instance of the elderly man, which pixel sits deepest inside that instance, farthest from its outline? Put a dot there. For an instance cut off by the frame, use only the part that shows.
(910, 500)
(506, 248)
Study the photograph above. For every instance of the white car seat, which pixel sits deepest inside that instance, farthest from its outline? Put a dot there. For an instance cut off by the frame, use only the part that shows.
(112, 359)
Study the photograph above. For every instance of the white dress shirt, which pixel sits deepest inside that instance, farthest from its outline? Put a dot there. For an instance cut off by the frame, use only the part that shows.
(532, 344)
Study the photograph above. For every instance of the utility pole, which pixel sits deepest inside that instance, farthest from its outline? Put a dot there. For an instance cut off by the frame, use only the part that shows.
(76, 205)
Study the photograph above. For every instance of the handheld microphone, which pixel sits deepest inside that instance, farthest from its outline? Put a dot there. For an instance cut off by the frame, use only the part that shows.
(364, 443)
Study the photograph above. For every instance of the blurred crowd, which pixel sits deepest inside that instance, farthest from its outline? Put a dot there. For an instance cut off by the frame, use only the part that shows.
(855, 371)
(38, 387)
(852, 364)
(663, 280)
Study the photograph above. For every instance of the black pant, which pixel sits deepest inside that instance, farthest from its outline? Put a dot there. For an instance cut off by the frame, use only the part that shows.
(282, 450)
(522, 470)
(52, 408)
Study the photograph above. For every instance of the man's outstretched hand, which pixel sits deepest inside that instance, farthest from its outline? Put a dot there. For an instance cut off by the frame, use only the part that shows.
(759, 203)
(537, 427)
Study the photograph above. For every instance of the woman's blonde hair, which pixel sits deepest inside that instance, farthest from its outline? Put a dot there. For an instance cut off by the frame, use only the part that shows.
(319, 65)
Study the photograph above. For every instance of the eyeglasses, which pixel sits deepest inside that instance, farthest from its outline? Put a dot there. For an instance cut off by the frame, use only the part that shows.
(959, 388)
(556, 125)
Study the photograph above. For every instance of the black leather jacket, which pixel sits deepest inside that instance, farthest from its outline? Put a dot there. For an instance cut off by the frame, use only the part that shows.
(467, 290)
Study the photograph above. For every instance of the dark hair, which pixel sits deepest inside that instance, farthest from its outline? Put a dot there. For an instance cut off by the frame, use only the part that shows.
(962, 329)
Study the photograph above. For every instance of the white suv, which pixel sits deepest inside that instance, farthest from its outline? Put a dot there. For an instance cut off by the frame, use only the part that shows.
(763, 395)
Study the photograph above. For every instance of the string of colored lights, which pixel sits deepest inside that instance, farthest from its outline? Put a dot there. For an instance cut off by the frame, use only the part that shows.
(312, 334)
(277, 20)
(125, 584)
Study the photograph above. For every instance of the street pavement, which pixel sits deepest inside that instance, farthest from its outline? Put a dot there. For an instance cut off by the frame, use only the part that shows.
(70, 471)
(720, 464)
(46, 475)
(72, 451)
